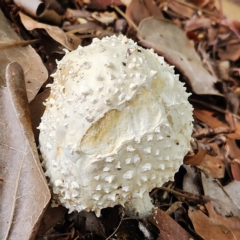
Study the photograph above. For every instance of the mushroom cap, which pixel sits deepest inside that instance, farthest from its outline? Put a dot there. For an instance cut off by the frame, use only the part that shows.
(117, 124)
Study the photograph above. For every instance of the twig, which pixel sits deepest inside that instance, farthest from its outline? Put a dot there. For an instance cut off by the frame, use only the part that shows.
(87, 36)
(130, 22)
(183, 195)
(4, 45)
(116, 228)
(212, 107)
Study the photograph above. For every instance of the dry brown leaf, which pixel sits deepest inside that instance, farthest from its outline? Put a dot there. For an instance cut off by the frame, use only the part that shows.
(52, 216)
(196, 23)
(211, 118)
(181, 9)
(34, 71)
(169, 229)
(191, 181)
(24, 191)
(105, 17)
(233, 190)
(232, 223)
(101, 4)
(126, 2)
(88, 222)
(232, 52)
(55, 5)
(200, 3)
(221, 201)
(195, 159)
(216, 120)
(138, 10)
(230, 10)
(206, 228)
(68, 40)
(223, 68)
(214, 166)
(170, 41)
(234, 151)
(235, 169)
(76, 13)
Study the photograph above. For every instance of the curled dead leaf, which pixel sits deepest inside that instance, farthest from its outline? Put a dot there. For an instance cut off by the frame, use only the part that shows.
(170, 41)
(138, 10)
(169, 229)
(33, 7)
(195, 159)
(24, 190)
(214, 166)
(214, 231)
(105, 17)
(235, 169)
(35, 72)
(220, 199)
(68, 40)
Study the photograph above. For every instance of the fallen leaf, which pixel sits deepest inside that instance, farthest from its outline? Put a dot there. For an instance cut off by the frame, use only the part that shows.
(35, 72)
(105, 17)
(206, 228)
(169, 229)
(51, 217)
(181, 9)
(101, 4)
(223, 69)
(88, 222)
(230, 10)
(233, 223)
(221, 201)
(138, 10)
(234, 151)
(24, 190)
(233, 190)
(170, 41)
(191, 181)
(195, 159)
(215, 119)
(213, 165)
(55, 5)
(196, 23)
(68, 40)
(200, 3)
(210, 117)
(235, 169)
(232, 52)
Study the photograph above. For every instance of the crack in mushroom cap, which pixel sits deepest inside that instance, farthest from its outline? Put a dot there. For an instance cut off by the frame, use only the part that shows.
(117, 124)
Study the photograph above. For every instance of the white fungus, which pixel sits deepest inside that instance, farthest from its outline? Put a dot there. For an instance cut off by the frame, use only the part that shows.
(117, 124)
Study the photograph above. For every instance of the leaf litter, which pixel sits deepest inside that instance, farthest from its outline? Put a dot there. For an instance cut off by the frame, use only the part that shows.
(203, 201)
(35, 72)
(24, 190)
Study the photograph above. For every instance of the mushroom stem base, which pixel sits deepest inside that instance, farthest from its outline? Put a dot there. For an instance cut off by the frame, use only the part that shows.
(141, 207)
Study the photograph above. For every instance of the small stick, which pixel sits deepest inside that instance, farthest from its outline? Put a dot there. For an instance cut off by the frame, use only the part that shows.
(115, 229)
(4, 45)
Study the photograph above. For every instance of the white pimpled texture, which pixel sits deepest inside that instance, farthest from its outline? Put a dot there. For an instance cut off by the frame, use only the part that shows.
(116, 125)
